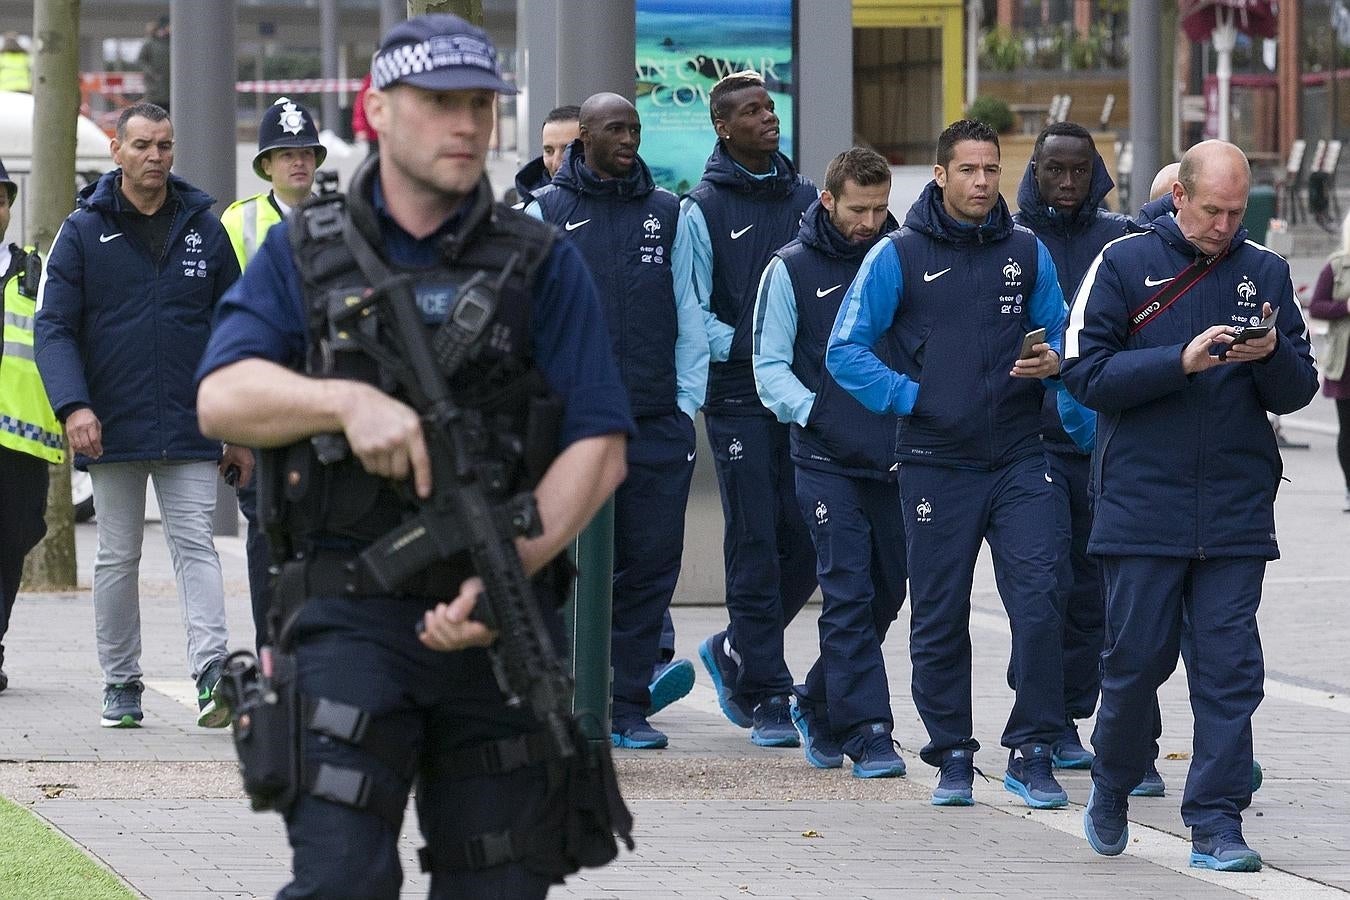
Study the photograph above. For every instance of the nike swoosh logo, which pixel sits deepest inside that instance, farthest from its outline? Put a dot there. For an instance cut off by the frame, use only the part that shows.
(104, 238)
(737, 234)
(936, 275)
(573, 226)
(827, 291)
(1149, 282)
(691, 456)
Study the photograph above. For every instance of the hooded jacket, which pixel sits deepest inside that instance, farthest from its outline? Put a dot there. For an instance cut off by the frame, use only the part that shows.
(799, 297)
(1185, 465)
(1074, 242)
(121, 331)
(531, 177)
(627, 230)
(745, 220)
(958, 300)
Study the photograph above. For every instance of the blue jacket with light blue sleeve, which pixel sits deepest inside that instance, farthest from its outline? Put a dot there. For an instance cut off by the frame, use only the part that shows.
(972, 293)
(632, 237)
(799, 296)
(736, 221)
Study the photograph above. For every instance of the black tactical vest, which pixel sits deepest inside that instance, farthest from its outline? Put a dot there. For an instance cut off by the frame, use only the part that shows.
(321, 495)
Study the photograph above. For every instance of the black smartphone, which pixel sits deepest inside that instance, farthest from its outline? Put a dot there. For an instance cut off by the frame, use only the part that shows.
(1252, 332)
(1031, 340)
(232, 474)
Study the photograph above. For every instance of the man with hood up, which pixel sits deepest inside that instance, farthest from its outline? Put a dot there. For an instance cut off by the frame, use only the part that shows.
(844, 456)
(960, 289)
(1060, 200)
(748, 204)
(631, 233)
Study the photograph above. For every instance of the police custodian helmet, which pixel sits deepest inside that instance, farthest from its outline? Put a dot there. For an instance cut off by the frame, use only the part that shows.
(287, 124)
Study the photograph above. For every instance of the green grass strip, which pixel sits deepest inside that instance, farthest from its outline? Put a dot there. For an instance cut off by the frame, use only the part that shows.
(37, 862)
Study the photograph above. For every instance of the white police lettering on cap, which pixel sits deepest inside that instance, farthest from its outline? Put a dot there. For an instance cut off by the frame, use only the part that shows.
(440, 52)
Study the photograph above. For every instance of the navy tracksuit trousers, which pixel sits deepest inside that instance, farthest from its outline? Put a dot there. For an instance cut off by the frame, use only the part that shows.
(770, 564)
(948, 512)
(1080, 586)
(859, 537)
(1205, 611)
(648, 547)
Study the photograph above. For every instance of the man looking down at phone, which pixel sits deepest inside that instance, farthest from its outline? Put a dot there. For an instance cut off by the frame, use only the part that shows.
(957, 289)
(1184, 473)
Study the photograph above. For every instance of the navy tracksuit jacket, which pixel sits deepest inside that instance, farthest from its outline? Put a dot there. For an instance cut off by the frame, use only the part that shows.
(1184, 477)
(957, 299)
(625, 229)
(770, 566)
(1074, 242)
(845, 460)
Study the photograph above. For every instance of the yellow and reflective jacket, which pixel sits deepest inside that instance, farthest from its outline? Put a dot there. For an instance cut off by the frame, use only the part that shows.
(27, 423)
(16, 72)
(247, 222)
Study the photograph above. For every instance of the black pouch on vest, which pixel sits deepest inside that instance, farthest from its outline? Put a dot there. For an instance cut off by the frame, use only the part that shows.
(265, 718)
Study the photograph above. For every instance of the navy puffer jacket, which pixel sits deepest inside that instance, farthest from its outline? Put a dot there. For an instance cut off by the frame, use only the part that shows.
(121, 331)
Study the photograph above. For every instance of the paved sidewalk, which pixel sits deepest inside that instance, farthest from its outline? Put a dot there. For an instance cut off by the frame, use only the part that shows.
(716, 816)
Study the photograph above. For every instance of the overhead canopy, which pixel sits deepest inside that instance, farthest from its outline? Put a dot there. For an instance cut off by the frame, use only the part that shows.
(1199, 18)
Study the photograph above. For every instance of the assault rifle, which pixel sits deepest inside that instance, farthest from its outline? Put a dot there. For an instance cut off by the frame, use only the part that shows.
(460, 515)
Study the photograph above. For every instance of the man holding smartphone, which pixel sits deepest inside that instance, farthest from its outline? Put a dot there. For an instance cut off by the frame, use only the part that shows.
(1185, 473)
(957, 289)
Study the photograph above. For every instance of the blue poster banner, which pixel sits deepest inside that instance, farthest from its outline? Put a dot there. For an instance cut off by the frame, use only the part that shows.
(684, 47)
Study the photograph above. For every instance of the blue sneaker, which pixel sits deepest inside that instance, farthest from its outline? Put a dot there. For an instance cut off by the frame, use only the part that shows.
(873, 753)
(1029, 776)
(1106, 821)
(671, 681)
(1225, 852)
(956, 779)
(1069, 751)
(820, 749)
(1151, 785)
(122, 705)
(1258, 776)
(773, 723)
(634, 733)
(722, 669)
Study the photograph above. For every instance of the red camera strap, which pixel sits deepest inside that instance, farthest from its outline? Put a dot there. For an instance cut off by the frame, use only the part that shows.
(1186, 279)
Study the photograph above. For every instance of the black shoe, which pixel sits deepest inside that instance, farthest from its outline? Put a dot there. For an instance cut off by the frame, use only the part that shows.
(4, 680)
(211, 709)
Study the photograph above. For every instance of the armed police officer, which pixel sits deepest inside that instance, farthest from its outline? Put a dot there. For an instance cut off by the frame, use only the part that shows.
(289, 154)
(517, 323)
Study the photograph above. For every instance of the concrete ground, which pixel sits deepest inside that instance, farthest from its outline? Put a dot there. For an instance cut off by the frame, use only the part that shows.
(717, 817)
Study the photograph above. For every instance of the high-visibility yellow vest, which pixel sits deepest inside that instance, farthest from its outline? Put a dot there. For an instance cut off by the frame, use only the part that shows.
(16, 72)
(247, 222)
(27, 423)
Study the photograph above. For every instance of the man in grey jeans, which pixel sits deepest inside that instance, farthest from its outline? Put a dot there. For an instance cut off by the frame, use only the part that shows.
(124, 312)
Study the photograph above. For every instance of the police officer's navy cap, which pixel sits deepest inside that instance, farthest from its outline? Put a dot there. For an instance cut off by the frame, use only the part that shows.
(287, 124)
(10, 187)
(438, 52)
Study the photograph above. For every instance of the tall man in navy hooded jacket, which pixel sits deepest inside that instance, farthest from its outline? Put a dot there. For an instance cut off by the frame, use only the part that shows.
(749, 203)
(845, 461)
(1182, 429)
(958, 288)
(124, 313)
(628, 230)
(1060, 200)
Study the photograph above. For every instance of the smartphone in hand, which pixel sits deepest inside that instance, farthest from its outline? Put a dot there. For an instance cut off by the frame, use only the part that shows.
(1031, 340)
(1252, 332)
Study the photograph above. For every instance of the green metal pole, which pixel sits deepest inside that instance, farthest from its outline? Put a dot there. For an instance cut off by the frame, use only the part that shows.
(587, 617)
